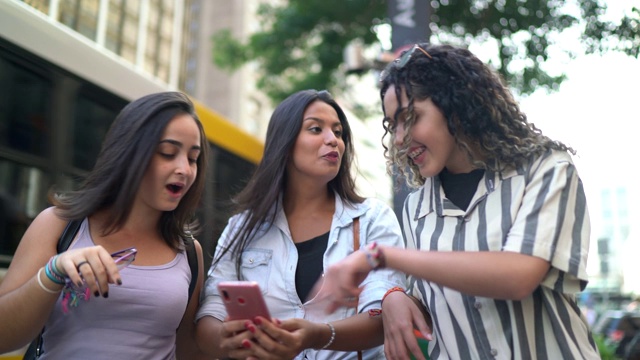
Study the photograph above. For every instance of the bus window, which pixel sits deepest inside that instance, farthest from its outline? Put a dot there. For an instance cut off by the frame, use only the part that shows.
(24, 109)
(23, 193)
(91, 122)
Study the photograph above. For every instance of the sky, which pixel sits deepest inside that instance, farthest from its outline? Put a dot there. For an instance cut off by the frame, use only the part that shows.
(596, 111)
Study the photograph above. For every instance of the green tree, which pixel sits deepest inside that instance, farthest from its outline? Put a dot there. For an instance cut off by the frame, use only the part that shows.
(301, 43)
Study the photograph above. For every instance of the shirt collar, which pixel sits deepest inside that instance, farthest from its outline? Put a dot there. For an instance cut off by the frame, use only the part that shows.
(344, 214)
(432, 196)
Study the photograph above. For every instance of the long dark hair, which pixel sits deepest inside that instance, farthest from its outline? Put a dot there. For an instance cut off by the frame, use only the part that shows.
(480, 110)
(125, 155)
(263, 190)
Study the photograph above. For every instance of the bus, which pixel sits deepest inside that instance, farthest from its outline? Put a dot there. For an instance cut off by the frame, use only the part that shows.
(58, 97)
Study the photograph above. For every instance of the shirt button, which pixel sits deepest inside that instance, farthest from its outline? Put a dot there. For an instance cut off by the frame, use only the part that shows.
(250, 261)
(477, 305)
(494, 352)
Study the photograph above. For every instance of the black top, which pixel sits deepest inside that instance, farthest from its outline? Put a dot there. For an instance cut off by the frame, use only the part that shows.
(459, 188)
(310, 268)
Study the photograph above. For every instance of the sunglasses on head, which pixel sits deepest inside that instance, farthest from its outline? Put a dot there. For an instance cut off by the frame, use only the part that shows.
(400, 62)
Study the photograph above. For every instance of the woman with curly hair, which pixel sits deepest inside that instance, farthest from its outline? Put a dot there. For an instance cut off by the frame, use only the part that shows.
(497, 232)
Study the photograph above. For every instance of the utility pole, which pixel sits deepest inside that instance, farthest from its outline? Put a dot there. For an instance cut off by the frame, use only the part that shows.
(409, 22)
(409, 25)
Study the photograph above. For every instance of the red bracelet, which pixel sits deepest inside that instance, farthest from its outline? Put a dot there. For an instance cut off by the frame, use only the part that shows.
(393, 289)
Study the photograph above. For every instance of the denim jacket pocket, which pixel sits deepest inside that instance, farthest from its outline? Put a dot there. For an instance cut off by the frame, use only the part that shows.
(256, 266)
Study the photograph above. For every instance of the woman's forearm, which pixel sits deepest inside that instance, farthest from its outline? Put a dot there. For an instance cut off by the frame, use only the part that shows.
(495, 274)
(25, 310)
(368, 329)
(208, 337)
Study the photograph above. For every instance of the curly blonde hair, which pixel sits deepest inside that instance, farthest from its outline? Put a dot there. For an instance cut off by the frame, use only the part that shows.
(480, 111)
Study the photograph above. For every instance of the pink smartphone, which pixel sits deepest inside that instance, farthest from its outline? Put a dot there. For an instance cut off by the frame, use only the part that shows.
(243, 300)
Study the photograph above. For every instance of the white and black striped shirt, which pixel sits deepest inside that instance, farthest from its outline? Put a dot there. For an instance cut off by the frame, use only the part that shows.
(538, 210)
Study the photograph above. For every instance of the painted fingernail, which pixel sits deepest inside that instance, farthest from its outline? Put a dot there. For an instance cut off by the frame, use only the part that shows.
(105, 295)
(96, 294)
(257, 321)
(119, 281)
(246, 344)
(252, 329)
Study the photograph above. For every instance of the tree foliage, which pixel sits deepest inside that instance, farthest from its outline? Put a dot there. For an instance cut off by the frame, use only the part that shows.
(301, 42)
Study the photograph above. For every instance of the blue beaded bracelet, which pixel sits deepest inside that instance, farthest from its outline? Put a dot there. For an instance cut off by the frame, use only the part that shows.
(54, 266)
(53, 276)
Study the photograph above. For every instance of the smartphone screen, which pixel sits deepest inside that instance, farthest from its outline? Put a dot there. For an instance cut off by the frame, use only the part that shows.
(243, 300)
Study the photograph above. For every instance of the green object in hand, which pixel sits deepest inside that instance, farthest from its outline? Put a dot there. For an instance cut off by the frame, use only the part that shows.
(423, 343)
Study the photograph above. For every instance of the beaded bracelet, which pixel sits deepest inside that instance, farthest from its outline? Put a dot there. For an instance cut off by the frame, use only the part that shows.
(53, 277)
(333, 335)
(54, 266)
(375, 256)
(53, 273)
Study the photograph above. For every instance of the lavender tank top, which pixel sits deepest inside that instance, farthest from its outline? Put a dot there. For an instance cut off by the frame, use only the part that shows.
(138, 320)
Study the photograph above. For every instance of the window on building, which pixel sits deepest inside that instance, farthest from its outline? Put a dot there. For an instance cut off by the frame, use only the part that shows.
(80, 15)
(41, 5)
(122, 28)
(159, 39)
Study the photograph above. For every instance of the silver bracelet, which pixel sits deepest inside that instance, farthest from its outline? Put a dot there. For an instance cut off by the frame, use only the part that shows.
(333, 335)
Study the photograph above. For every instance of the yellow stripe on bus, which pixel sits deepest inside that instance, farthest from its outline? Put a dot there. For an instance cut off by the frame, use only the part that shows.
(228, 136)
(14, 355)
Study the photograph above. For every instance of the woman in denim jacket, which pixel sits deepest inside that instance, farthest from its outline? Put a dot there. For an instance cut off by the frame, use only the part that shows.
(295, 218)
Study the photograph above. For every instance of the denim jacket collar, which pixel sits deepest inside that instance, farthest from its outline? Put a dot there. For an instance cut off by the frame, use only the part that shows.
(343, 216)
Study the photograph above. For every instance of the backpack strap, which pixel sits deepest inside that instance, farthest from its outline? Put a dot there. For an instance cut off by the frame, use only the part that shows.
(192, 257)
(68, 234)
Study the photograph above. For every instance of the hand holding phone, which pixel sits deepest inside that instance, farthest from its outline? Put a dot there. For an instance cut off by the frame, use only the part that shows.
(243, 300)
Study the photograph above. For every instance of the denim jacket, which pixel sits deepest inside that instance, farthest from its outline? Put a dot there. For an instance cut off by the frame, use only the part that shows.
(271, 259)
